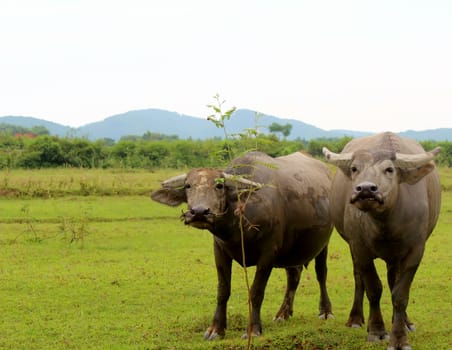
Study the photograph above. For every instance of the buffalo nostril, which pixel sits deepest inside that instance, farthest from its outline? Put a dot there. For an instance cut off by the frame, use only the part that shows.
(199, 210)
(366, 187)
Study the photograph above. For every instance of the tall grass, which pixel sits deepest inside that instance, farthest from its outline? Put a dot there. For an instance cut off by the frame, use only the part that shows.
(49, 183)
(139, 279)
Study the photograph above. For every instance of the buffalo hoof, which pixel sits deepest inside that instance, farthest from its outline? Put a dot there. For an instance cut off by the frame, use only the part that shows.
(253, 334)
(255, 330)
(211, 334)
(377, 337)
(410, 327)
(405, 347)
(326, 316)
(284, 313)
(279, 319)
(355, 321)
(398, 344)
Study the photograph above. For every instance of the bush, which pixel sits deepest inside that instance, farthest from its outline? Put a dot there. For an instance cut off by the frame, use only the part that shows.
(46, 151)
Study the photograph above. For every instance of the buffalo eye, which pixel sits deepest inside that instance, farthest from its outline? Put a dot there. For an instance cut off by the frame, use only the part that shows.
(389, 170)
(187, 186)
(219, 186)
(353, 169)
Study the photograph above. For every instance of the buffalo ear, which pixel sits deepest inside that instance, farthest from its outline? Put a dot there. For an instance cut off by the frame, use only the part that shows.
(169, 196)
(413, 175)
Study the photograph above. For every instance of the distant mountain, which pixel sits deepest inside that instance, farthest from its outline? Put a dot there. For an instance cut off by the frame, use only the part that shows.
(165, 122)
(28, 122)
(154, 120)
(171, 123)
(444, 134)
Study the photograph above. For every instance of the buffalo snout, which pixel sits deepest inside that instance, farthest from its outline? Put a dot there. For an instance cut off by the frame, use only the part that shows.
(199, 216)
(199, 211)
(366, 188)
(366, 195)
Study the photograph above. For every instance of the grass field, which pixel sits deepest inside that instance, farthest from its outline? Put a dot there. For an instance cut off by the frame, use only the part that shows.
(88, 261)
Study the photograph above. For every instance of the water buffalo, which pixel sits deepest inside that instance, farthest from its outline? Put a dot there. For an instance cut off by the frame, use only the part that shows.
(385, 202)
(282, 205)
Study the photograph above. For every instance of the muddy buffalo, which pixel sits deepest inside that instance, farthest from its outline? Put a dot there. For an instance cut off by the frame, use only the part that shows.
(385, 202)
(283, 207)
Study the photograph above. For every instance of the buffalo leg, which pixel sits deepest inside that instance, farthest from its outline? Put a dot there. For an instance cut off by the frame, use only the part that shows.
(356, 317)
(321, 271)
(293, 279)
(393, 270)
(400, 295)
(373, 287)
(257, 296)
(224, 267)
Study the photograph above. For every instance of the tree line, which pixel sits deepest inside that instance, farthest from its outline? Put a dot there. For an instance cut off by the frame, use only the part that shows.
(30, 150)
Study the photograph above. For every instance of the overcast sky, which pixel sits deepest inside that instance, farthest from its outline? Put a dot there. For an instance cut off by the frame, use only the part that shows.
(359, 65)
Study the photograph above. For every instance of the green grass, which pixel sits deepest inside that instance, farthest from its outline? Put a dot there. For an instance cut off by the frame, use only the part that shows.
(122, 272)
(50, 183)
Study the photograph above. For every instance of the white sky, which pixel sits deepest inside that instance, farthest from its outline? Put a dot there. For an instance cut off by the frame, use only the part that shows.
(360, 65)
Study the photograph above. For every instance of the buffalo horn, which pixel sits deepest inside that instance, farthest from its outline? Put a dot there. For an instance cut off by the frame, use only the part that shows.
(338, 159)
(415, 160)
(175, 181)
(242, 180)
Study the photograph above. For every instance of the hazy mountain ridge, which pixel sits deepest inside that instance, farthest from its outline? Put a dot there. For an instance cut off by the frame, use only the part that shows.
(138, 122)
(28, 122)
